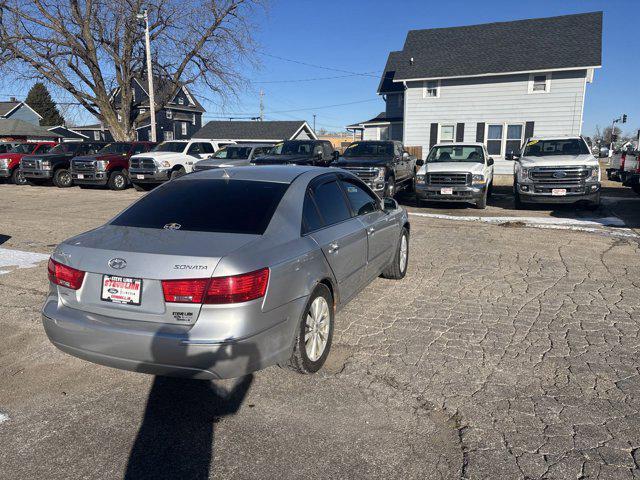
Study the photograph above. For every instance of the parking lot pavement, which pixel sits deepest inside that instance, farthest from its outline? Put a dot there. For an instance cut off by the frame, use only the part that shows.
(507, 352)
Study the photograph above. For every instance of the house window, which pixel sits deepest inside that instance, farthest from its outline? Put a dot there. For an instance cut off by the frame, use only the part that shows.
(431, 89)
(494, 139)
(447, 133)
(383, 133)
(96, 135)
(514, 138)
(539, 83)
(142, 110)
(184, 128)
(168, 135)
(180, 101)
(193, 119)
(169, 114)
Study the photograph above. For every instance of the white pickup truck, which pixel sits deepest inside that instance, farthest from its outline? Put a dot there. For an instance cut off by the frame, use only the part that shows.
(455, 172)
(169, 160)
(555, 170)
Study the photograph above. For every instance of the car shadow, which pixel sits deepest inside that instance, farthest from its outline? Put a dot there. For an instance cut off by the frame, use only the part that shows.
(176, 436)
(4, 238)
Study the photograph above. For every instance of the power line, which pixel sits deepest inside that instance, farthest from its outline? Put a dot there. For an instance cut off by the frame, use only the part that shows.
(317, 66)
(299, 80)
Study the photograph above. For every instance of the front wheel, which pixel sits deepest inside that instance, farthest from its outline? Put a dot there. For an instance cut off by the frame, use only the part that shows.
(481, 203)
(390, 189)
(315, 332)
(177, 173)
(17, 178)
(398, 268)
(117, 181)
(62, 178)
(516, 198)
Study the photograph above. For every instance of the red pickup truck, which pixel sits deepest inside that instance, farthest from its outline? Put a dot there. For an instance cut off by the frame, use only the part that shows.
(109, 166)
(10, 161)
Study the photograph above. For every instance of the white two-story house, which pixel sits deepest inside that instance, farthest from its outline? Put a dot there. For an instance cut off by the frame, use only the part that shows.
(495, 83)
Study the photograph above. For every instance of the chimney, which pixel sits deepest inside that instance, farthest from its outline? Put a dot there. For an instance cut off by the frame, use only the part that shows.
(13, 99)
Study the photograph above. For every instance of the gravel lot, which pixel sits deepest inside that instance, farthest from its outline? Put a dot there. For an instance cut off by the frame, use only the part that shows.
(509, 351)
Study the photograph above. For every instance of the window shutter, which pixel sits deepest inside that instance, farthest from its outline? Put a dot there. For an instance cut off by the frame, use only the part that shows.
(433, 135)
(460, 132)
(528, 130)
(480, 132)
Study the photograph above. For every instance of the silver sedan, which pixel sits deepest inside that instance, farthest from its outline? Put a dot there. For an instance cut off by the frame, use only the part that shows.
(224, 272)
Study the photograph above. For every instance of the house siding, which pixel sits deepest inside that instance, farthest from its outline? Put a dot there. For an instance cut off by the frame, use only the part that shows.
(24, 114)
(393, 109)
(496, 99)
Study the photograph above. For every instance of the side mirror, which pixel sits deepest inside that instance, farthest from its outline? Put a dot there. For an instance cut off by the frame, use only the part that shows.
(389, 204)
(490, 161)
(405, 155)
(336, 154)
(419, 162)
(318, 155)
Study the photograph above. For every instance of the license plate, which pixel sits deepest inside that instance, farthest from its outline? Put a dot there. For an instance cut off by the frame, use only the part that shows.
(140, 177)
(558, 192)
(80, 176)
(446, 191)
(123, 290)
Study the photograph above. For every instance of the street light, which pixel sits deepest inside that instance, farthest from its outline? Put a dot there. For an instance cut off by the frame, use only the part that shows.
(152, 97)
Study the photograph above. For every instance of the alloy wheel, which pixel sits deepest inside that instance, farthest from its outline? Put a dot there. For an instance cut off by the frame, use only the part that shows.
(404, 252)
(316, 332)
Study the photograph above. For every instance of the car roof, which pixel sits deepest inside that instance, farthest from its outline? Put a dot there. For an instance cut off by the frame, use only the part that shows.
(459, 144)
(557, 137)
(250, 145)
(264, 173)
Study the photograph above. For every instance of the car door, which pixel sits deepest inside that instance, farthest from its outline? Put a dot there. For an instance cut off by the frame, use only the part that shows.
(340, 235)
(379, 226)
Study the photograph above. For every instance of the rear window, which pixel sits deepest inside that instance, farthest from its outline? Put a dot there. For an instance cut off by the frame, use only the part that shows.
(227, 206)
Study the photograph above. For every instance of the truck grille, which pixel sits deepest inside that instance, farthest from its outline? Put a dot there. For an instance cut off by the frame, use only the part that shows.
(142, 164)
(29, 164)
(365, 173)
(83, 166)
(449, 179)
(559, 175)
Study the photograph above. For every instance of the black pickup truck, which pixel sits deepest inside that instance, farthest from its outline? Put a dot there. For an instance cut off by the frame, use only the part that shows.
(299, 152)
(55, 165)
(383, 165)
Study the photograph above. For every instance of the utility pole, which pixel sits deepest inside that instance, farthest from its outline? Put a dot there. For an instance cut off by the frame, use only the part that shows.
(152, 96)
(261, 105)
(314, 123)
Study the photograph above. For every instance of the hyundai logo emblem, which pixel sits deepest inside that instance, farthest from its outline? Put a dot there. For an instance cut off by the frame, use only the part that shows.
(172, 226)
(117, 263)
(559, 174)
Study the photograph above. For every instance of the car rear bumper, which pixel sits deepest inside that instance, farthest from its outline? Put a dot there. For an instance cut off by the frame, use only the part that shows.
(90, 178)
(148, 176)
(459, 193)
(169, 349)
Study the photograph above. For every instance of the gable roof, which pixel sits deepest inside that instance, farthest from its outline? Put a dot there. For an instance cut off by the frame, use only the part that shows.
(64, 132)
(380, 118)
(20, 128)
(162, 86)
(386, 82)
(252, 130)
(7, 108)
(566, 42)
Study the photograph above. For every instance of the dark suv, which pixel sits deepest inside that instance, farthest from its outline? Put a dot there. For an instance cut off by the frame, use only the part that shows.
(299, 152)
(55, 165)
(383, 165)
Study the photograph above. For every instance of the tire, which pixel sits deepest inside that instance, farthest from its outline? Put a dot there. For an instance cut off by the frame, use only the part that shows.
(636, 188)
(481, 203)
(516, 198)
(304, 358)
(62, 178)
(177, 173)
(118, 181)
(17, 178)
(143, 187)
(490, 190)
(398, 268)
(390, 187)
(609, 175)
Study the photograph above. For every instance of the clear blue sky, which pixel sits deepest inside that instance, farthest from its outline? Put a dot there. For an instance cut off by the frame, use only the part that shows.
(356, 36)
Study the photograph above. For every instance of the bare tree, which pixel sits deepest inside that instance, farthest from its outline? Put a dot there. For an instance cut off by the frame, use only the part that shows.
(93, 48)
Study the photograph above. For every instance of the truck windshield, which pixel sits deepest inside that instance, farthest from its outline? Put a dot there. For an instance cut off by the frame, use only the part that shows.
(176, 147)
(369, 149)
(542, 148)
(294, 147)
(456, 153)
(117, 147)
(22, 148)
(233, 153)
(66, 147)
(205, 205)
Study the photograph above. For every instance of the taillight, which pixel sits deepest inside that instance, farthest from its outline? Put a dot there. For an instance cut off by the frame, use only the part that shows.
(184, 291)
(217, 290)
(65, 276)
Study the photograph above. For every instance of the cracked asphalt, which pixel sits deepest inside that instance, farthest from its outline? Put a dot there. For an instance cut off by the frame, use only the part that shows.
(507, 352)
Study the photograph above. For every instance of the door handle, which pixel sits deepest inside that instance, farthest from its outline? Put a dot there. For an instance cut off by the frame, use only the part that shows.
(334, 247)
(370, 231)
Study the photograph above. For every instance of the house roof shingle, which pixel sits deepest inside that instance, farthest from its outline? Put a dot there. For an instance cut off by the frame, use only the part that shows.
(6, 107)
(20, 128)
(387, 84)
(569, 41)
(251, 130)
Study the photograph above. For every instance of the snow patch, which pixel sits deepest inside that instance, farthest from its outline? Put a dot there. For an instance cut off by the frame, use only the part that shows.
(3, 417)
(19, 259)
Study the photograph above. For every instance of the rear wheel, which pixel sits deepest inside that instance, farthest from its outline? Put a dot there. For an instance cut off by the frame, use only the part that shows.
(398, 268)
(17, 178)
(117, 181)
(177, 173)
(62, 178)
(481, 203)
(315, 332)
(636, 188)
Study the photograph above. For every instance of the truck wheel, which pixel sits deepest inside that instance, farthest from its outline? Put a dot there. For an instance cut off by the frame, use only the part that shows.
(143, 187)
(62, 178)
(315, 332)
(481, 203)
(398, 268)
(177, 173)
(390, 188)
(609, 175)
(516, 198)
(17, 178)
(117, 181)
(636, 188)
